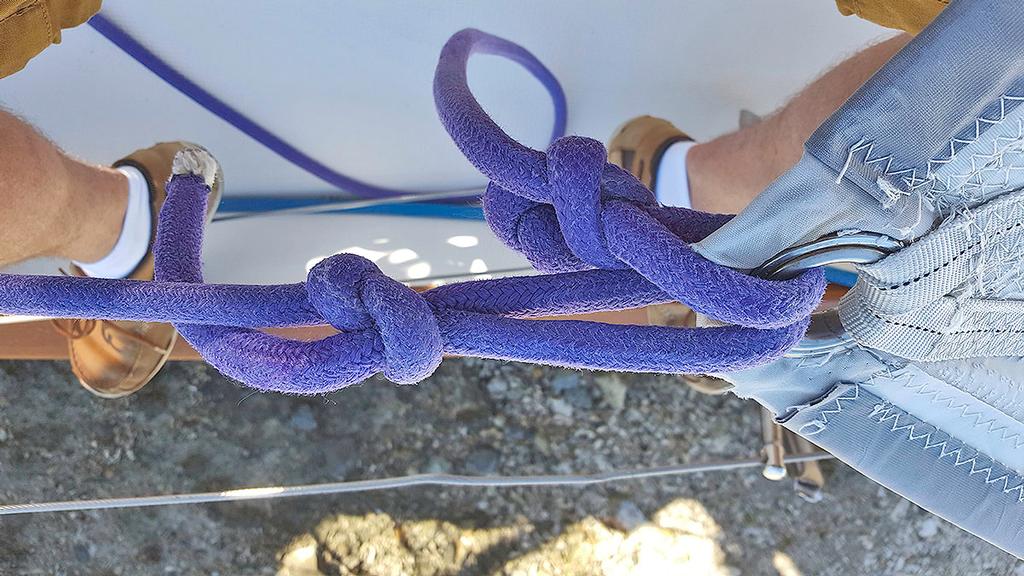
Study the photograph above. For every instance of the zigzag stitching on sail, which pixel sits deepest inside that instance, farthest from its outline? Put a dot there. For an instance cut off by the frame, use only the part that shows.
(838, 402)
(887, 412)
(947, 402)
(913, 181)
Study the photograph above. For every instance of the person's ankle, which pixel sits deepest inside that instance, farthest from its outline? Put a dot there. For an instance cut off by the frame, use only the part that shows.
(715, 186)
(93, 208)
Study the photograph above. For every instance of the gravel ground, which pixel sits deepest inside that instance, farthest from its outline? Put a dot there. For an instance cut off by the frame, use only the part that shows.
(192, 430)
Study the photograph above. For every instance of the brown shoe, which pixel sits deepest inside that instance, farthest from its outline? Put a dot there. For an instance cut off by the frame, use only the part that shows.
(115, 358)
(639, 144)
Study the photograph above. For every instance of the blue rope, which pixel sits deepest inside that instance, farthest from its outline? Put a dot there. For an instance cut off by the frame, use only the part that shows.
(132, 47)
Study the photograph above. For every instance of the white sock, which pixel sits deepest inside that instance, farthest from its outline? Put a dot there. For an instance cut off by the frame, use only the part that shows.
(672, 183)
(133, 243)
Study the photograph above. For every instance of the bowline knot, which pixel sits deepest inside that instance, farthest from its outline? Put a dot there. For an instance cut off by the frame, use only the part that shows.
(560, 227)
(351, 293)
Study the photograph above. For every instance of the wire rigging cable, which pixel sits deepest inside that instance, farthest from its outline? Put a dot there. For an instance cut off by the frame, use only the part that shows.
(270, 492)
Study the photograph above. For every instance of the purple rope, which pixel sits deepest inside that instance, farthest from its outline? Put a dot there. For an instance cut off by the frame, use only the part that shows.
(569, 209)
(610, 245)
(144, 56)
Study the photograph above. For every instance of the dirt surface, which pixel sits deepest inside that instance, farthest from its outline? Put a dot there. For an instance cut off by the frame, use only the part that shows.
(192, 430)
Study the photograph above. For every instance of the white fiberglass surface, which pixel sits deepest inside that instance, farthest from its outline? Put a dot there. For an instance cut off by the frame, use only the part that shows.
(350, 84)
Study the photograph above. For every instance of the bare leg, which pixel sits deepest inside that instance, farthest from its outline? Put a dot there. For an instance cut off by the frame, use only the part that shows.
(53, 205)
(728, 172)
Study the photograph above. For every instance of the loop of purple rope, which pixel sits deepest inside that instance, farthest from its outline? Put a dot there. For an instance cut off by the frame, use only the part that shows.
(388, 328)
(568, 209)
(165, 71)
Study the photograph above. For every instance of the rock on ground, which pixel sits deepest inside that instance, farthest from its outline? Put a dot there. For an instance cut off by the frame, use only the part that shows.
(192, 430)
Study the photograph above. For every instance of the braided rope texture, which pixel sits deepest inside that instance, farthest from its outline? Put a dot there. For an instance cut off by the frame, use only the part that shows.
(600, 234)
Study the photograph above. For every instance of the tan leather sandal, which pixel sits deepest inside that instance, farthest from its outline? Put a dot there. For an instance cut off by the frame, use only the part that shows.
(111, 358)
(639, 144)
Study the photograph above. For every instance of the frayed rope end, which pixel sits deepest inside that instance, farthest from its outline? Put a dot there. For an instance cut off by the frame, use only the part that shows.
(196, 160)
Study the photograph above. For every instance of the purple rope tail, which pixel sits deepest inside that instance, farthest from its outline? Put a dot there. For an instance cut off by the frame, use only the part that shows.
(611, 247)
